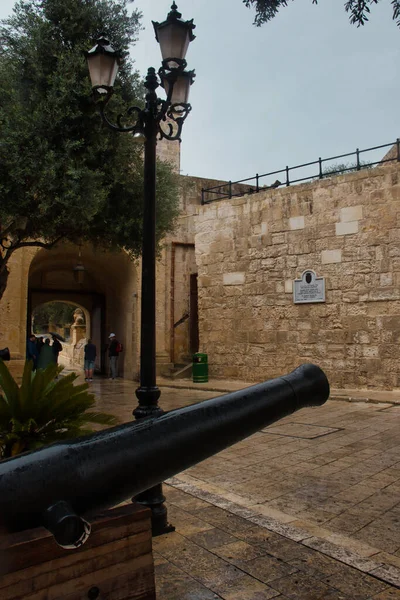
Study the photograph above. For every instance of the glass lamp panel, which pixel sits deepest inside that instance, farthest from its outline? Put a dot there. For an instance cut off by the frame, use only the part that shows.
(174, 40)
(165, 84)
(103, 70)
(180, 94)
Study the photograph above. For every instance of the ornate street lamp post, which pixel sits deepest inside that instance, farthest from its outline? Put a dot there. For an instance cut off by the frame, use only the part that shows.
(163, 119)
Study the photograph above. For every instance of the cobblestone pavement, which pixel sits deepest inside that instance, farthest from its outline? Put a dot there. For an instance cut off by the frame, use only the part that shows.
(307, 508)
(215, 553)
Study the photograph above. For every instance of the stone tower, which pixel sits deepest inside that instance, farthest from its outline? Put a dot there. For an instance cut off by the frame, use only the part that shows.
(170, 152)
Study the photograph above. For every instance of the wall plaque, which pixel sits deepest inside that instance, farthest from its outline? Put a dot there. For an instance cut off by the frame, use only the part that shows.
(309, 288)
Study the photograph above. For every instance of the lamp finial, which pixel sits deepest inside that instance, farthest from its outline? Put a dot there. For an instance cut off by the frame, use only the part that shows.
(174, 14)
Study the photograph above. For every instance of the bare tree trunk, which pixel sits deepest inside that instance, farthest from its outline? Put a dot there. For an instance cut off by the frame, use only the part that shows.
(4, 272)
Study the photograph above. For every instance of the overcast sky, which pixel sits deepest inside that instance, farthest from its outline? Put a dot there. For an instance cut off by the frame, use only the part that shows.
(308, 84)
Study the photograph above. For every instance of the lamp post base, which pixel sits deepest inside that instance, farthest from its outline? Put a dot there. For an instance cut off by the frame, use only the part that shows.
(148, 403)
(153, 498)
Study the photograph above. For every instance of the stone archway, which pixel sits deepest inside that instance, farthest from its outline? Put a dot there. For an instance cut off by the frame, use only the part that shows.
(35, 304)
(79, 327)
(106, 290)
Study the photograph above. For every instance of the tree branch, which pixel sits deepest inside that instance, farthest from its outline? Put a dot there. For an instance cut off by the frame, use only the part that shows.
(358, 10)
(2, 244)
(46, 245)
(7, 230)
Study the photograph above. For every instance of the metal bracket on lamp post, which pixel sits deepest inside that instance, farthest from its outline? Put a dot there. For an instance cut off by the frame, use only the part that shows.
(167, 118)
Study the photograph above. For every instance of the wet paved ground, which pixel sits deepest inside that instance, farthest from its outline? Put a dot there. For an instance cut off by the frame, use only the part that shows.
(217, 554)
(308, 508)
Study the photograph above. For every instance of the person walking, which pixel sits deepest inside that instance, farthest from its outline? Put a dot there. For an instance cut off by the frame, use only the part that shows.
(89, 360)
(56, 347)
(113, 352)
(46, 356)
(40, 344)
(32, 352)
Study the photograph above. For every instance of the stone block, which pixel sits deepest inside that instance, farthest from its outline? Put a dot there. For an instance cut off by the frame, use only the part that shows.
(205, 281)
(300, 247)
(331, 256)
(296, 223)
(278, 238)
(236, 278)
(370, 351)
(346, 228)
(351, 213)
(394, 235)
(386, 279)
(255, 241)
(288, 286)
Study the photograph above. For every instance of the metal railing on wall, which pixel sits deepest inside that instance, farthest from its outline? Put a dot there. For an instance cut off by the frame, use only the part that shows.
(325, 168)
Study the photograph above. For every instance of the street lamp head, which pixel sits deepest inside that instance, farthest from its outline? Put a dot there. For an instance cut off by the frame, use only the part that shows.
(79, 272)
(174, 36)
(103, 62)
(163, 117)
(177, 87)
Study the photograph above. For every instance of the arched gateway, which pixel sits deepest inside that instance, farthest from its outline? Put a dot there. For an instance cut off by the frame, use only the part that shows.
(103, 284)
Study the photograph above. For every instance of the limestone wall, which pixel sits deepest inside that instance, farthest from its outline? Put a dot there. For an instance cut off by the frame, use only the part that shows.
(248, 252)
(174, 267)
(250, 249)
(13, 311)
(170, 152)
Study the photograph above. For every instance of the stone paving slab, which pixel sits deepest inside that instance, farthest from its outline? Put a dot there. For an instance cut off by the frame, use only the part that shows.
(344, 486)
(224, 553)
(345, 550)
(335, 495)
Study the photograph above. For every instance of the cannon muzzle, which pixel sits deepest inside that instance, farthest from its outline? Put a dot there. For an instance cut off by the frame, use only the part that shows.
(58, 484)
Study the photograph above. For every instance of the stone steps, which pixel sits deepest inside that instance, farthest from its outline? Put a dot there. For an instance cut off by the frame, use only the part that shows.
(178, 371)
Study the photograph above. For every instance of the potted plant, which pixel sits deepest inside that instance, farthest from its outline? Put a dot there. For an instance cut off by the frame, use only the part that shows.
(43, 409)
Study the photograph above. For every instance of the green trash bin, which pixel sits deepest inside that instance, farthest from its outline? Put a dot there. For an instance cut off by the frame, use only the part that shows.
(200, 368)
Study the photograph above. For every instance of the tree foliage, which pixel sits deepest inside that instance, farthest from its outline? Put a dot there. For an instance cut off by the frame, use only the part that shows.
(343, 168)
(63, 175)
(59, 313)
(358, 10)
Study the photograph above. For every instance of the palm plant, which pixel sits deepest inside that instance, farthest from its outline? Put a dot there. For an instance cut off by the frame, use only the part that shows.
(43, 410)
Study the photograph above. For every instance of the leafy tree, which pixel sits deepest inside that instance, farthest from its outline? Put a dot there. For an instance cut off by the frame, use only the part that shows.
(358, 10)
(63, 175)
(59, 313)
(43, 410)
(342, 168)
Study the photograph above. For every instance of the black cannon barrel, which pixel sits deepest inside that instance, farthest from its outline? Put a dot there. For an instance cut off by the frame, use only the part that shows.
(56, 485)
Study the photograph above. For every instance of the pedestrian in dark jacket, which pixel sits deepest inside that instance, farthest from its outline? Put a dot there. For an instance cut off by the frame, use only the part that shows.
(57, 348)
(90, 353)
(46, 356)
(113, 355)
(32, 350)
(40, 344)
